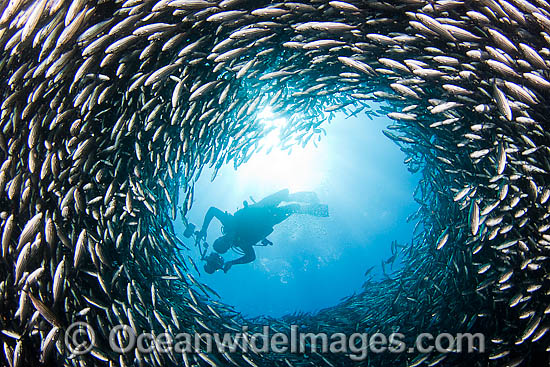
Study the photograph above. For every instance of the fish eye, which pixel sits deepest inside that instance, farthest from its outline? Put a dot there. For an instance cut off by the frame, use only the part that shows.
(368, 209)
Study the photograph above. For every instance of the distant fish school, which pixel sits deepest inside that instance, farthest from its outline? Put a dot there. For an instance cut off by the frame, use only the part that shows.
(108, 108)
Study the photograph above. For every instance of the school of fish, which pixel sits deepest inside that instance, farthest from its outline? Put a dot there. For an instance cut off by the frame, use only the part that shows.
(109, 108)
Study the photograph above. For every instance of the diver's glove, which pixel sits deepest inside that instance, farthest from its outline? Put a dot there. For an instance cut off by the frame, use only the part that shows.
(267, 242)
(227, 266)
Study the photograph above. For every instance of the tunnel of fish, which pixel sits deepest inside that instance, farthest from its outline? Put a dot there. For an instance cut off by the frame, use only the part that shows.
(108, 108)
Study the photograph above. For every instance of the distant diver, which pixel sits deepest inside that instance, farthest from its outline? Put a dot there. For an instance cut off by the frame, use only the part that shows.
(253, 223)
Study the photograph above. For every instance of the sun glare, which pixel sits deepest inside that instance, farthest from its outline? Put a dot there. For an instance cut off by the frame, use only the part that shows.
(266, 114)
(272, 125)
(279, 169)
(273, 167)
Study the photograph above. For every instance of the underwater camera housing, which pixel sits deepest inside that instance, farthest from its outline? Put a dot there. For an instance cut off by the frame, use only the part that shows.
(189, 230)
(213, 262)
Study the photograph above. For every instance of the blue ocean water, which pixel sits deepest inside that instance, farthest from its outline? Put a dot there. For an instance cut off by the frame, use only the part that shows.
(314, 261)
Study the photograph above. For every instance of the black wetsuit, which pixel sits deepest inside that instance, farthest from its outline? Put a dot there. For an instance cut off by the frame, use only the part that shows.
(254, 223)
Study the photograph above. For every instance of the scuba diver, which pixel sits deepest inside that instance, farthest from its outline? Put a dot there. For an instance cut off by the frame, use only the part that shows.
(253, 223)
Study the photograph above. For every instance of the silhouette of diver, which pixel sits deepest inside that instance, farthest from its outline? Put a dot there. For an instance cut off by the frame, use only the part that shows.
(254, 223)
